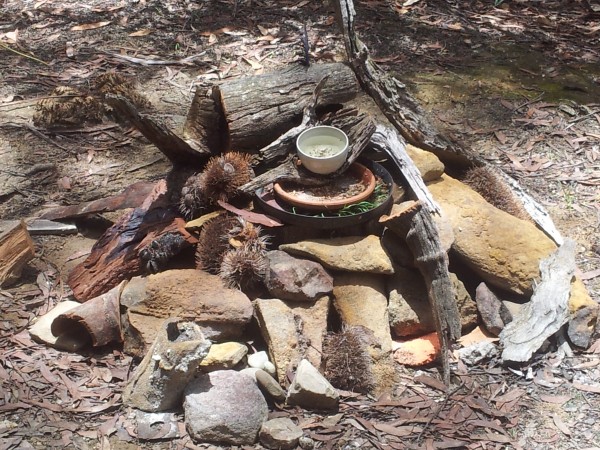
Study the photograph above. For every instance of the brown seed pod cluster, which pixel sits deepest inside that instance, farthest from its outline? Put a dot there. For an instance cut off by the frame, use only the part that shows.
(66, 106)
(346, 360)
(235, 250)
(219, 180)
(495, 191)
(118, 84)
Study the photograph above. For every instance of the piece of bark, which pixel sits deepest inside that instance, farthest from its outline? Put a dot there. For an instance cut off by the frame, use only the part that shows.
(205, 129)
(132, 197)
(97, 321)
(115, 256)
(412, 222)
(388, 140)
(260, 108)
(169, 143)
(39, 227)
(16, 249)
(392, 97)
(548, 309)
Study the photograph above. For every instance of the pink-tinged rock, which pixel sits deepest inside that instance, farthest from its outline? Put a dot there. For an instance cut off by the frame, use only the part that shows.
(296, 279)
(418, 351)
(224, 407)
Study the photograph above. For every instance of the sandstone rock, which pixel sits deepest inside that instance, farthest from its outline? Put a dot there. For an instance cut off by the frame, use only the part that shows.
(224, 407)
(223, 356)
(269, 385)
(351, 253)
(478, 334)
(296, 279)
(292, 331)
(429, 165)
(221, 313)
(491, 309)
(360, 300)
(311, 390)
(280, 433)
(172, 361)
(418, 351)
(503, 250)
(409, 310)
(40, 331)
(475, 353)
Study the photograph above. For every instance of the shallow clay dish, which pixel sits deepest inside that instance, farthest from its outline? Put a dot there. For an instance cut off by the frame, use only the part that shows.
(353, 186)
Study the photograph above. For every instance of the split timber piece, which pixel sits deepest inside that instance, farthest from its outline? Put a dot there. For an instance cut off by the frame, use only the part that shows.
(115, 256)
(392, 97)
(548, 309)
(16, 249)
(256, 110)
(172, 146)
(412, 222)
(388, 140)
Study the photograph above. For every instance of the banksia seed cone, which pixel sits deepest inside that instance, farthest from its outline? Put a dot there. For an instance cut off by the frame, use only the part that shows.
(492, 188)
(192, 200)
(244, 267)
(225, 173)
(213, 242)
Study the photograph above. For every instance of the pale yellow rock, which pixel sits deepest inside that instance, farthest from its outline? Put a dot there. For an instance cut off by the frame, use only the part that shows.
(351, 253)
(223, 356)
(429, 165)
(503, 250)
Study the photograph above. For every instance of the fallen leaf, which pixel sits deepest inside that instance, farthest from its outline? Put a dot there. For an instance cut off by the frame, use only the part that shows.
(141, 32)
(401, 431)
(251, 216)
(10, 37)
(561, 425)
(500, 136)
(255, 65)
(586, 387)
(89, 26)
(431, 382)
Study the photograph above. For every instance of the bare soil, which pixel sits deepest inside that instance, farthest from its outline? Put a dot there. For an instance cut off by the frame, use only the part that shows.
(519, 83)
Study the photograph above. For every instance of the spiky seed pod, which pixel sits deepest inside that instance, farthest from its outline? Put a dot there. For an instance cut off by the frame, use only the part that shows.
(213, 243)
(244, 267)
(346, 359)
(67, 106)
(246, 232)
(118, 84)
(192, 201)
(225, 173)
(492, 188)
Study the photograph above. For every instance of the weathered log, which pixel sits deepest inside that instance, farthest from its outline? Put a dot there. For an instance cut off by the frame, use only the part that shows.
(131, 197)
(258, 109)
(169, 143)
(548, 309)
(16, 248)
(412, 222)
(391, 95)
(116, 255)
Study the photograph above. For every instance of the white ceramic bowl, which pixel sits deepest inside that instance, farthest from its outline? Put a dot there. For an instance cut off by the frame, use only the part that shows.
(322, 149)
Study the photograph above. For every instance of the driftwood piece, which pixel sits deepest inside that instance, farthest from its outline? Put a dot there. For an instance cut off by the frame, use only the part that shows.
(132, 197)
(16, 249)
(391, 95)
(259, 108)
(169, 143)
(389, 141)
(412, 222)
(115, 256)
(548, 309)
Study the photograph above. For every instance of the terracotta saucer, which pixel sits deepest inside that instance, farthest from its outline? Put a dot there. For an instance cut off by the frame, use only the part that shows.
(353, 186)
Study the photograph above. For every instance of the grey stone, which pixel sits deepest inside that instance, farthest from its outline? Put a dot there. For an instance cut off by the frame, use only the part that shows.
(172, 361)
(280, 433)
(409, 310)
(582, 324)
(311, 390)
(296, 279)
(474, 354)
(491, 309)
(269, 385)
(156, 426)
(350, 253)
(224, 407)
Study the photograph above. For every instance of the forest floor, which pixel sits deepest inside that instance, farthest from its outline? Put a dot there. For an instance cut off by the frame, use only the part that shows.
(518, 83)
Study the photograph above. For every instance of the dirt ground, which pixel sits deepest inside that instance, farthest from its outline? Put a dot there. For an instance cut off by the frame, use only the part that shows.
(519, 83)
